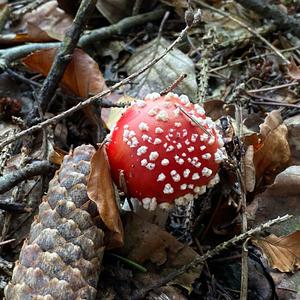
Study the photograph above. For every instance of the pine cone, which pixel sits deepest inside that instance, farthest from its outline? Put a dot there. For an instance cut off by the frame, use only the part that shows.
(62, 257)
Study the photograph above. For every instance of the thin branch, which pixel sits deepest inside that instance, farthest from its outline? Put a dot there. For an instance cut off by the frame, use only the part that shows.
(251, 30)
(271, 88)
(119, 28)
(95, 98)
(104, 103)
(174, 85)
(11, 54)
(200, 260)
(274, 104)
(10, 180)
(64, 53)
(241, 179)
(273, 12)
(241, 61)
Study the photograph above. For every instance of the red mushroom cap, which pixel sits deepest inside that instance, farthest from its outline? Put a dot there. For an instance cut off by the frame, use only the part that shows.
(166, 149)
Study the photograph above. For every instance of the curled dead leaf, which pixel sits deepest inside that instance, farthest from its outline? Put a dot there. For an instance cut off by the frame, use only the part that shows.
(272, 121)
(273, 153)
(100, 190)
(82, 76)
(283, 253)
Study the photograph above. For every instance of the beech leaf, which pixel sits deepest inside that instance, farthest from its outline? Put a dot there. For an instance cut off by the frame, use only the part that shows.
(100, 190)
(82, 76)
(47, 22)
(164, 72)
(283, 253)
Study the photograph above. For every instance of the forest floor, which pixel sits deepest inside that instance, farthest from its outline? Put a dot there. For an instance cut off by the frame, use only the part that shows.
(68, 69)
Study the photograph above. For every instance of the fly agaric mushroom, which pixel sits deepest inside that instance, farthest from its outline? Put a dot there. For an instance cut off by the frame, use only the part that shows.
(165, 150)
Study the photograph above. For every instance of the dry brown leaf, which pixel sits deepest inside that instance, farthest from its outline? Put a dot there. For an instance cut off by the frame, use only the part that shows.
(218, 108)
(82, 76)
(273, 153)
(115, 10)
(179, 5)
(146, 242)
(47, 22)
(56, 155)
(272, 121)
(100, 189)
(283, 253)
(249, 169)
(294, 70)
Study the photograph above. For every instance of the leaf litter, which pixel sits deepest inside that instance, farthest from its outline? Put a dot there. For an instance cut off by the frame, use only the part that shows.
(269, 152)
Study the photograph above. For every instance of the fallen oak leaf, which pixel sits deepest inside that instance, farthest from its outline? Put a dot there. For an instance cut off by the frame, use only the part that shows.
(82, 76)
(100, 190)
(283, 253)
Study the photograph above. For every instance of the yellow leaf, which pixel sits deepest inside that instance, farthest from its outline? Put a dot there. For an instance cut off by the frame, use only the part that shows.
(115, 113)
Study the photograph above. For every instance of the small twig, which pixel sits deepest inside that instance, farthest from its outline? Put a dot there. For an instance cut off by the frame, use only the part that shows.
(157, 43)
(64, 53)
(16, 208)
(241, 61)
(192, 119)
(97, 97)
(7, 242)
(253, 31)
(11, 54)
(104, 103)
(10, 180)
(173, 85)
(241, 180)
(119, 28)
(275, 104)
(17, 76)
(29, 7)
(200, 260)
(271, 88)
